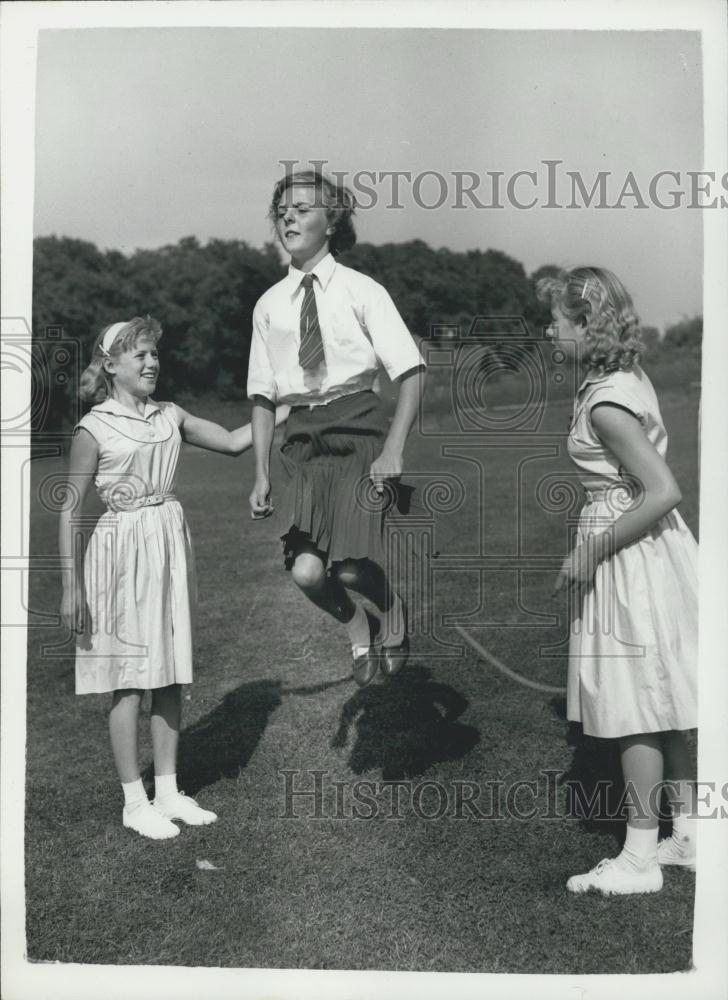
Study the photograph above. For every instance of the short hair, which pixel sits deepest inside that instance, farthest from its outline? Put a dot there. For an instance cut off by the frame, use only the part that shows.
(336, 198)
(598, 298)
(96, 384)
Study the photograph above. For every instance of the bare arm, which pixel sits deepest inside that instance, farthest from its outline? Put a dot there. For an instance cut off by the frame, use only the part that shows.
(263, 426)
(211, 436)
(390, 463)
(82, 463)
(623, 435)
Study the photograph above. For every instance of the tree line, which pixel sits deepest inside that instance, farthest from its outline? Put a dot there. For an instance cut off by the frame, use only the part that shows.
(204, 294)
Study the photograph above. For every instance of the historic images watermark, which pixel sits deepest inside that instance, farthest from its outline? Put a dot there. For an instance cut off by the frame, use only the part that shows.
(312, 793)
(464, 434)
(547, 184)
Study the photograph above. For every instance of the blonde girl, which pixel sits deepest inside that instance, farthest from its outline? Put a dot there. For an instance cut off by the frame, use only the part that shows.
(131, 600)
(633, 579)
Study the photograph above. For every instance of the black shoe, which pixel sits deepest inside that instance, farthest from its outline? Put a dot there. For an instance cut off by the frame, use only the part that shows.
(365, 667)
(394, 657)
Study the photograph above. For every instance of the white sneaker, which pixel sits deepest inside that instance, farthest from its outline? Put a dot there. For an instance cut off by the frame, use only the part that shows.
(183, 807)
(673, 851)
(149, 823)
(611, 879)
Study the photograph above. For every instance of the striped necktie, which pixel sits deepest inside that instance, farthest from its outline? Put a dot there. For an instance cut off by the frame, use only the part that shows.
(311, 350)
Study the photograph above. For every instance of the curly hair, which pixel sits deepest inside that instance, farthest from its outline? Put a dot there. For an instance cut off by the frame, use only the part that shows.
(96, 383)
(336, 198)
(596, 297)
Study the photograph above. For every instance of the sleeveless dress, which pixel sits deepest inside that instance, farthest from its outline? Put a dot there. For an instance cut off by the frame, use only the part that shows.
(633, 642)
(139, 566)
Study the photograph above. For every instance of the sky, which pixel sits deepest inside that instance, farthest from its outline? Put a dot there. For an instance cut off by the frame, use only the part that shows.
(147, 135)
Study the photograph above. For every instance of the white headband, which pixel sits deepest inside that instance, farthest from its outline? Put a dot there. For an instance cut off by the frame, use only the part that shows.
(110, 336)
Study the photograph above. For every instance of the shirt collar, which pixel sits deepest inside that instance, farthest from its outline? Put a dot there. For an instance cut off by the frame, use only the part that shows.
(323, 271)
(111, 405)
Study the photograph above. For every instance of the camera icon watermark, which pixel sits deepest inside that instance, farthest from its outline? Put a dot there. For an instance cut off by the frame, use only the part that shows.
(40, 378)
(464, 368)
(498, 504)
(41, 375)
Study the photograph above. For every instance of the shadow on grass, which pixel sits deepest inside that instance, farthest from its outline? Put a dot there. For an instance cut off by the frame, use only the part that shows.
(405, 725)
(222, 742)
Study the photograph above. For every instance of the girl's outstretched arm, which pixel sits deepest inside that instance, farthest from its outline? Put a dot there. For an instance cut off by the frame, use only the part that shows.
(213, 437)
(389, 464)
(82, 464)
(622, 433)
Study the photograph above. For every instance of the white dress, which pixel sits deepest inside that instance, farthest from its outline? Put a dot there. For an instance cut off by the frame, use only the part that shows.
(139, 566)
(633, 643)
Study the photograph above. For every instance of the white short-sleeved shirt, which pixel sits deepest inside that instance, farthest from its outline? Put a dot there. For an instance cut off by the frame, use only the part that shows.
(597, 467)
(360, 329)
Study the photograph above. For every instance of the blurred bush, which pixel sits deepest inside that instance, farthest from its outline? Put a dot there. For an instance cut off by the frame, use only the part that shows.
(204, 295)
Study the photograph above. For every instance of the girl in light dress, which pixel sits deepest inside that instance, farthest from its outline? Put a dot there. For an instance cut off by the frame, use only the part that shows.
(632, 575)
(131, 600)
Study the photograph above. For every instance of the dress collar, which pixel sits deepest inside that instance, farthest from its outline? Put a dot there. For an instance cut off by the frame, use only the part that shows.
(111, 405)
(591, 379)
(323, 271)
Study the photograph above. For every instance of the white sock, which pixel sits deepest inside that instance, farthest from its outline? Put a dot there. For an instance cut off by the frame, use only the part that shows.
(135, 794)
(640, 848)
(684, 826)
(165, 786)
(358, 629)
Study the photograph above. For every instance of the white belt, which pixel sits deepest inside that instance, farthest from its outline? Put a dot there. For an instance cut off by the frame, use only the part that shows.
(119, 506)
(592, 495)
(619, 492)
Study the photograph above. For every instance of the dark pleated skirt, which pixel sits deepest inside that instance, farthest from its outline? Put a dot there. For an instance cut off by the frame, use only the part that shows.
(329, 502)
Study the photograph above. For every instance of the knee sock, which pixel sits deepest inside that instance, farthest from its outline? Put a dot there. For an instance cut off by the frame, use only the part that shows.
(135, 794)
(640, 848)
(358, 630)
(165, 786)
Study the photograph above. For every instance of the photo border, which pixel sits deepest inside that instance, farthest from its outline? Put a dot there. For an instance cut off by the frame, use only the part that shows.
(21, 23)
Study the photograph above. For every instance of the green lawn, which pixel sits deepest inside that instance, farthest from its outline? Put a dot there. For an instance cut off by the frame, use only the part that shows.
(273, 693)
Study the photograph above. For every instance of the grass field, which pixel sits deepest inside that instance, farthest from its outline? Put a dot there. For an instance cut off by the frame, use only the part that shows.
(390, 888)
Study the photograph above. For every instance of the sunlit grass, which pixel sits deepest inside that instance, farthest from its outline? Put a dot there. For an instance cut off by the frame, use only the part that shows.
(273, 692)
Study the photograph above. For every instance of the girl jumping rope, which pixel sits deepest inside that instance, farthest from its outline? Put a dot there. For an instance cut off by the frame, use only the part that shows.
(320, 337)
(131, 600)
(633, 578)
